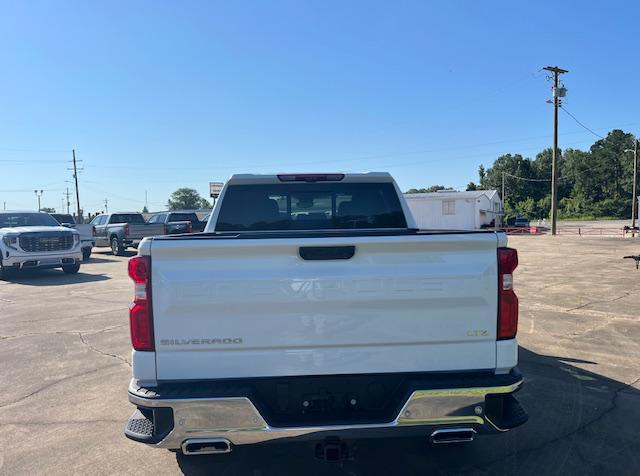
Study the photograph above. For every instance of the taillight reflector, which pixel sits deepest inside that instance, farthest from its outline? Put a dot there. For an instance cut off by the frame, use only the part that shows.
(507, 299)
(140, 311)
(141, 326)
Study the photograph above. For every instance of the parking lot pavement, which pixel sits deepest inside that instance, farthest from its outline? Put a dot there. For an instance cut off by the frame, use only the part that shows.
(64, 369)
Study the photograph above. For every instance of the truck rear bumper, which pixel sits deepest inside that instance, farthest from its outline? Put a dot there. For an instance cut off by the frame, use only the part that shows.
(175, 413)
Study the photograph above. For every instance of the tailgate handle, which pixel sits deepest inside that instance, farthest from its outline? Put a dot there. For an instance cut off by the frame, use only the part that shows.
(316, 253)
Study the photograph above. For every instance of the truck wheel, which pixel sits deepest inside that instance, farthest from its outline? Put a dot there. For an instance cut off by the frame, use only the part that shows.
(86, 254)
(71, 269)
(116, 248)
(4, 272)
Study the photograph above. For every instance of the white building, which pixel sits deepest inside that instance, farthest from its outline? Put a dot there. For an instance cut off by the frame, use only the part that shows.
(452, 210)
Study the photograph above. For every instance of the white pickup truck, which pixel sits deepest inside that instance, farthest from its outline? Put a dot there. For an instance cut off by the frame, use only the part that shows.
(87, 232)
(312, 308)
(35, 240)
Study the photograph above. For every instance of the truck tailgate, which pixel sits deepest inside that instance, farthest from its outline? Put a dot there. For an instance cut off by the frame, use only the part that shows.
(86, 231)
(253, 307)
(139, 231)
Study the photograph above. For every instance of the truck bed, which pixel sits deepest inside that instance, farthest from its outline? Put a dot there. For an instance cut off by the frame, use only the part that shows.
(239, 305)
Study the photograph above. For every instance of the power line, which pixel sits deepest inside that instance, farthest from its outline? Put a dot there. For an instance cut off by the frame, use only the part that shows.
(526, 178)
(353, 159)
(345, 160)
(30, 190)
(32, 161)
(10, 149)
(579, 123)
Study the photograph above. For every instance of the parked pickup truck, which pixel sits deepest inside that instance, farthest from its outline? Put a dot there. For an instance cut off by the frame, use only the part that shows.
(311, 307)
(87, 232)
(35, 240)
(178, 222)
(121, 230)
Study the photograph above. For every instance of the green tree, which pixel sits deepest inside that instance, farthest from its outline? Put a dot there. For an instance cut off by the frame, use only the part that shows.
(519, 177)
(482, 174)
(145, 209)
(433, 188)
(612, 165)
(593, 183)
(471, 186)
(48, 210)
(185, 199)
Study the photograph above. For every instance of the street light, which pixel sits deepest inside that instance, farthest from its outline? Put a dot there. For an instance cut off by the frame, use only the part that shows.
(38, 195)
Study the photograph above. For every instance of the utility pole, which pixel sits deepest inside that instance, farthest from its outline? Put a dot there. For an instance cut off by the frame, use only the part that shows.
(554, 163)
(106, 206)
(634, 194)
(75, 178)
(38, 195)
(68, 202)
(502, 195)
(634, 207)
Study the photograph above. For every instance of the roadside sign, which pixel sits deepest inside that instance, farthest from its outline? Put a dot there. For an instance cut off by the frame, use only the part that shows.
(215, 188)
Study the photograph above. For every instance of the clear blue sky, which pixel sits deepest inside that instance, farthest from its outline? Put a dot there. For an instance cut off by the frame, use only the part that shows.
(157, 95)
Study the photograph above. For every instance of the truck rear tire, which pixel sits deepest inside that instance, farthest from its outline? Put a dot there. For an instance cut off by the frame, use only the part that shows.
(86, 254)
(116, 248)
(71, 269)
(4, 272)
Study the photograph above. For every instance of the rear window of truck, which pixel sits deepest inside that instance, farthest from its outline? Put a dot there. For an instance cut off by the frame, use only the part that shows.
(131, 218)
(63, 218)
(310, 206)
(192, 217)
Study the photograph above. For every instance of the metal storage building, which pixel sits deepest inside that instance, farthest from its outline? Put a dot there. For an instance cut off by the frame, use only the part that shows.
(453, 210)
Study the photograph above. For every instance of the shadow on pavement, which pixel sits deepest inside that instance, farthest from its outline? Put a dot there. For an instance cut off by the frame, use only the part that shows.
(580, 423)
(53, 277)
(94, 260)
(107, 252)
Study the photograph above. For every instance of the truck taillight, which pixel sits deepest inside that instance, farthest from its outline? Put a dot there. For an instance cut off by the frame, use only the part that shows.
(166, 229)
(507, 299)
(189, 228)
(126, 229)
(310, 177)
(93, 230)
(140, 312)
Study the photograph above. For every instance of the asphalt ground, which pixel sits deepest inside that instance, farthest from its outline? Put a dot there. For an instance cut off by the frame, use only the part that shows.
(65, 367)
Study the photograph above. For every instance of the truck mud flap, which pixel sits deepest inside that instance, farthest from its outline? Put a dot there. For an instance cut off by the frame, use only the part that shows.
(505, 412)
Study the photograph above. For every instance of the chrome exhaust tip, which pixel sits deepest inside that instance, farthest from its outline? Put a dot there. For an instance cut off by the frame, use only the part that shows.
(206, 446)
(453, 435)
